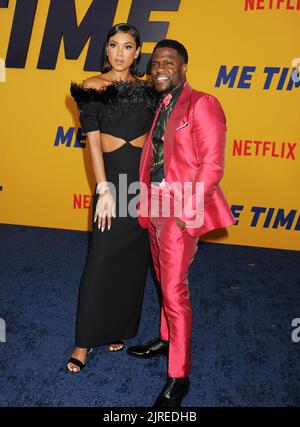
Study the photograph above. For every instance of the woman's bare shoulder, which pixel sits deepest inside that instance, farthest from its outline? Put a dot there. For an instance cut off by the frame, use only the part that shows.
(96, 82)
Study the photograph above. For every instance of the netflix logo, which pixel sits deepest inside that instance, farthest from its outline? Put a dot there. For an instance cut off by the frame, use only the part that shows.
(271, 5)
(256, 148)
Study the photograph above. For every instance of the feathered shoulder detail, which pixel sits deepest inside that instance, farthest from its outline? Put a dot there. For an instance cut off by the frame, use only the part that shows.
(117, 92)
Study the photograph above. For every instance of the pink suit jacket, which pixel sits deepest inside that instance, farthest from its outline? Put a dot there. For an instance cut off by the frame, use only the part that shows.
(194, 148)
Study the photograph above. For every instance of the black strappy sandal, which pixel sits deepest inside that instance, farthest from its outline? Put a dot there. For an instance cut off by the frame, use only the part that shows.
(77, 362)
(121, 342)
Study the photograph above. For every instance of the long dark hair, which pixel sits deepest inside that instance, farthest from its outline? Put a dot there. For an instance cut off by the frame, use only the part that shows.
(124, 28)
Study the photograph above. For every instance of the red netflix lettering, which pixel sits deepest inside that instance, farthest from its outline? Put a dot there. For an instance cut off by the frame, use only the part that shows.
(81, 201)
(271, 4)
(255, 148)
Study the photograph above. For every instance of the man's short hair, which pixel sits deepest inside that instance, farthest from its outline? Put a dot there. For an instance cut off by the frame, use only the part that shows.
(174, 44)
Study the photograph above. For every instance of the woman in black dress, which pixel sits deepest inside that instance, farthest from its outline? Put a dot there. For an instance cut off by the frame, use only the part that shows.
(116, 113)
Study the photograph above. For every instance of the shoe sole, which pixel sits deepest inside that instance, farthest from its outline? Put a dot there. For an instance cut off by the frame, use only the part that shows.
(146, 357)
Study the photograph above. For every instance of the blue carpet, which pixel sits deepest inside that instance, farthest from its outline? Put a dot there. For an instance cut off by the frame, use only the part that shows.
(244, 300)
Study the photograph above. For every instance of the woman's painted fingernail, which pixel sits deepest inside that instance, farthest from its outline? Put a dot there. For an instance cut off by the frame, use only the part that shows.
(108, 227)
(102, 229)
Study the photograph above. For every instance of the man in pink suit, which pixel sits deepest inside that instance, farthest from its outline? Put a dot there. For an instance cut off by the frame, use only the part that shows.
(181, 166)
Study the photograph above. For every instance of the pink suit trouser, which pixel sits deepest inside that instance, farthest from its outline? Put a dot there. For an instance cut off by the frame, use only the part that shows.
(173, 251)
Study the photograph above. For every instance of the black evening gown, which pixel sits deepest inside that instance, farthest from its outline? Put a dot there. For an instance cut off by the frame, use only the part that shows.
(112, 284)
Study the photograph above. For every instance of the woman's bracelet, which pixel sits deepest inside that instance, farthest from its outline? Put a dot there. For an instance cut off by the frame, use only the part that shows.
(102, 187)
(104, 191)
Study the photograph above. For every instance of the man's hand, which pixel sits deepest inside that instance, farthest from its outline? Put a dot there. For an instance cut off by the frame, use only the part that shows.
(180, 223)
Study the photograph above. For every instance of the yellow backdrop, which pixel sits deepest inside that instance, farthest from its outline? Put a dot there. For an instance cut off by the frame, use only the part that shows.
(240, 51)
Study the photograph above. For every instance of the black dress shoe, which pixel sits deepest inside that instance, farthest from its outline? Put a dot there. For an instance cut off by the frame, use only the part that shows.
(172, 393)
(156, 347)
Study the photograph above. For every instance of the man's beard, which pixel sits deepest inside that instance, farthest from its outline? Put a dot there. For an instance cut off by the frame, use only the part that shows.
(167, 89)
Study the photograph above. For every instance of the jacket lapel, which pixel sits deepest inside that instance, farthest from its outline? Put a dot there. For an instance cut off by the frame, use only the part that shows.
(179, 111)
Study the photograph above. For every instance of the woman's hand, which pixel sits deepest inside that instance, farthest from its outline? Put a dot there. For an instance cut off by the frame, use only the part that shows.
(105, 210)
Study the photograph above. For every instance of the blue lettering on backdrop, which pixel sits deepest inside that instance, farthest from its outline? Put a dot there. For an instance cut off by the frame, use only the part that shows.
(62, 138)
(281, 219)
(276, 77)
(61, 24)
(236, 212)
